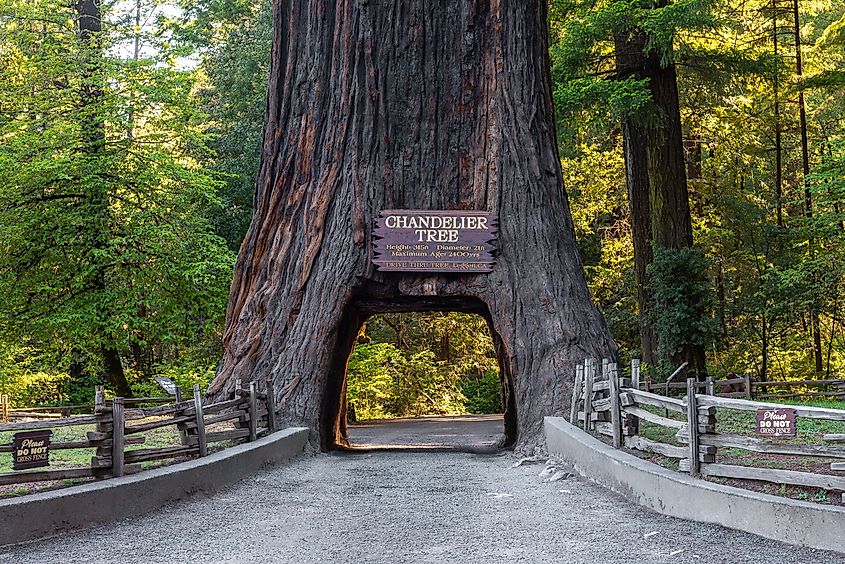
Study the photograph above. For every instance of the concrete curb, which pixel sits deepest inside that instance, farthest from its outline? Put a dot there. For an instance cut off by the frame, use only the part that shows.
(671, 493)
(48, 513)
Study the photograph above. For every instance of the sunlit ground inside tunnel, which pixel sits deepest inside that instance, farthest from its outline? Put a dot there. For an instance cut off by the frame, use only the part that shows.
(424, 381)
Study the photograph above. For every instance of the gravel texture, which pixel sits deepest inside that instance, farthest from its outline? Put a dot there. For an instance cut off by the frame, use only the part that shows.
(409, 506)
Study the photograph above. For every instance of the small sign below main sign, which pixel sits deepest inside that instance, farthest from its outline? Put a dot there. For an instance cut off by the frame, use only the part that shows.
(166, 384)
(435, 241)
(776, 422)
(31, 449)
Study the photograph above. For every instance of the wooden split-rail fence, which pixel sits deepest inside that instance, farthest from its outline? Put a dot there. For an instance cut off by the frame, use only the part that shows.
(10, 413)
(748, 388)
(612, 406)
(250, 415)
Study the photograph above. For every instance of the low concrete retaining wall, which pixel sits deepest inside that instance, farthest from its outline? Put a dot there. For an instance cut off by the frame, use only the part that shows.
(671, 493)
(48, 513)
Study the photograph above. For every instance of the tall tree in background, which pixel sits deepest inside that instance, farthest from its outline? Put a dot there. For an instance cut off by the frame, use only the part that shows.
(645, 93)
(92, 127)
(106, 245)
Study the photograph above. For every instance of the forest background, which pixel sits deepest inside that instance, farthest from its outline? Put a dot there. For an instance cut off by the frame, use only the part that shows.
(130, 135)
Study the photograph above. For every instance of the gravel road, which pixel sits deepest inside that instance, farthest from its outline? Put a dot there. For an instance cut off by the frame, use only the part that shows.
(474, 433)
(409, 506)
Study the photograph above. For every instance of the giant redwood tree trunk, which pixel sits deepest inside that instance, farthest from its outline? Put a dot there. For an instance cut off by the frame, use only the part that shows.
(416, 104)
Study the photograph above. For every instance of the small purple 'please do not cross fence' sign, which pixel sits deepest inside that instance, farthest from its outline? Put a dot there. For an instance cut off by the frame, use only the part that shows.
(776, 422)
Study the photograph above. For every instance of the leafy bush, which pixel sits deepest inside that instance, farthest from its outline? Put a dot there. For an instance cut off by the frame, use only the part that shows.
(483, 395)
(370, 379)
(30, 389)
(683, 298)
(383, 381)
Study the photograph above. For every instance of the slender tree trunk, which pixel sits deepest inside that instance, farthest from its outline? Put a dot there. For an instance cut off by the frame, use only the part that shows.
(805, 167)
(778, 125)
(630, 55)
(832, 332)
(89, 29)
(419, 105)
(721, 301)
(115, 374)
(694, 157)
(764, 364)
(445, 348)
(802, 112)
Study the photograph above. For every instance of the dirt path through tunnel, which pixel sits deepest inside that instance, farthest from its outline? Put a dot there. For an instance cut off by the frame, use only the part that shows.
(464, 433)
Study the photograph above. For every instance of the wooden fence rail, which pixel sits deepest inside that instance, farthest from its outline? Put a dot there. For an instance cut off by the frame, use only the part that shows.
(117, 425)
(748, 388)
(59, 411)
(611, 406)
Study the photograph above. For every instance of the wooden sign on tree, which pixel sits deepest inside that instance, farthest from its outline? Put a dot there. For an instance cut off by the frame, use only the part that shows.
(434, 241)
(437, 106)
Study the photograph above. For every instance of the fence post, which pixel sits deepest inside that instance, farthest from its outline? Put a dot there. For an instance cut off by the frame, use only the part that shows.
(615, 412)
(711, 386)
(118, 422)
(103, 429)
(99, 398)
(576, 394)
(635, 373)
(4, 408)
(692, 426)
(201, 441)
(253, 413)
(747, 386)
(589, 376)
(271, 405)
(178, 394)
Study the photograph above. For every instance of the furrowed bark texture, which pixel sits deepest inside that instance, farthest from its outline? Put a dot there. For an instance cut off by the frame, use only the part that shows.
(629, 51)
(657, 184)
(420, 105)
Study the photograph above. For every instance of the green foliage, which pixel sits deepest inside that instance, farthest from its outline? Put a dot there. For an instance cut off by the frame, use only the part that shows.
(106, 241)
(684, 298)
(483, 395)
(765, 282)
(234, 38)
(383, 382)
(417, 364)
(594, 181)
(370, 379)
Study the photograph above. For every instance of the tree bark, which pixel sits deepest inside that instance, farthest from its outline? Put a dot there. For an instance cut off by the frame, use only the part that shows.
(420, 105)
(115, 374)
(630, 53)
(657, 183)
(671, 222)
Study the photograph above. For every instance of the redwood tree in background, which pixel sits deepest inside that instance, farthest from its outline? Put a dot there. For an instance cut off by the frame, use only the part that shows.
(657, 183)
(419, 105)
